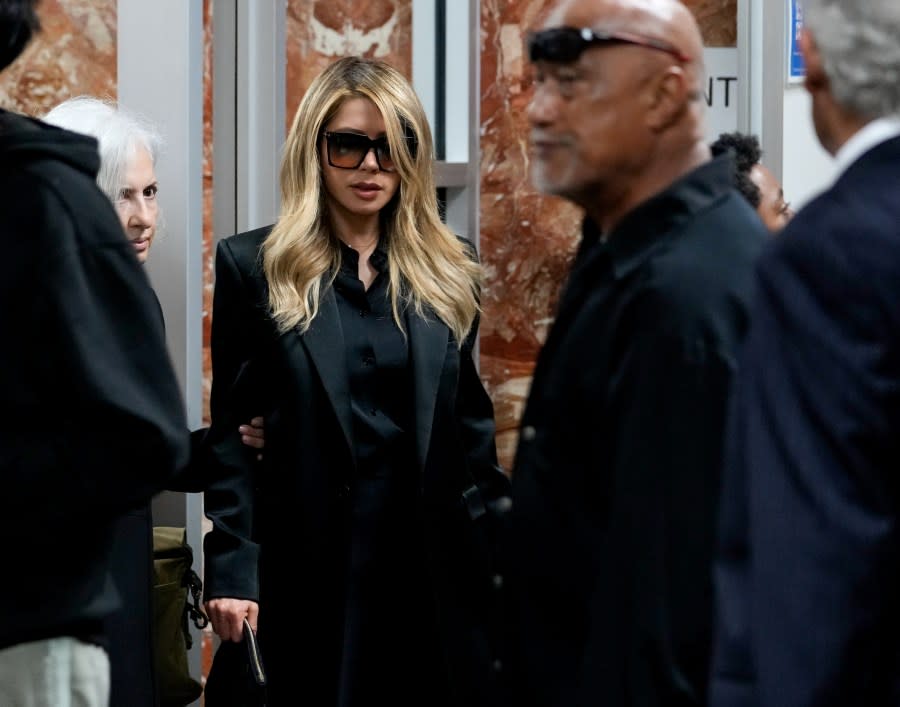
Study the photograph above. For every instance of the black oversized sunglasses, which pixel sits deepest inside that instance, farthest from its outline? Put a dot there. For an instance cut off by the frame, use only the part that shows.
(348, 150)
(563, 45)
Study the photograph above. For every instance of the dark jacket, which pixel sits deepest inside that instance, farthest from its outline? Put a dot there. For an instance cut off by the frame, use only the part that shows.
(92, 420)
(808, 569)
(617, 470)
(289, 517)
(131, 632)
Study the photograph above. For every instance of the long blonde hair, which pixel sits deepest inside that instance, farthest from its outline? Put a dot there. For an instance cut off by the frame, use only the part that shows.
(427, 264)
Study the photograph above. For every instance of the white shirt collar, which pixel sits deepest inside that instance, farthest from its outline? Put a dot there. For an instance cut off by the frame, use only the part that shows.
(878, 131)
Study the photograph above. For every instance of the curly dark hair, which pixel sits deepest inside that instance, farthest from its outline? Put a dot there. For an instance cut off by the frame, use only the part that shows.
(18, 22)
(747, 152)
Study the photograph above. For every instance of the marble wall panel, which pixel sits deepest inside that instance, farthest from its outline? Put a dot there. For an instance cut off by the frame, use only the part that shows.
(207, 254)
(320, 31)
(527, 240)
(75, 53)
(717, 20)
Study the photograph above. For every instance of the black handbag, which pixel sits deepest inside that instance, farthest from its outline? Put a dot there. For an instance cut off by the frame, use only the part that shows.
(237, 677)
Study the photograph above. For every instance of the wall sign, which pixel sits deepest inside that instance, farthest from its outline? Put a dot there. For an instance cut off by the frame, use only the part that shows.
(796, 69)
(721, 90)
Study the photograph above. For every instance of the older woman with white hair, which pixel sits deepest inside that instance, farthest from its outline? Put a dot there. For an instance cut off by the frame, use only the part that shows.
(129, 148)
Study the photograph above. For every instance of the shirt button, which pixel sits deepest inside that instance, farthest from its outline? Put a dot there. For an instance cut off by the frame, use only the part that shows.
(362, 313)
(528, 433)
(368, 360)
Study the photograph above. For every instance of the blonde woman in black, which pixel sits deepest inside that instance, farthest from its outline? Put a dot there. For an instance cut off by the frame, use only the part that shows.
(360, 546)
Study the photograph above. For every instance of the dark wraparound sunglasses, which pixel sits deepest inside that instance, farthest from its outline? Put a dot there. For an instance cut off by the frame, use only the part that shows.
(563, 45)
(349, 150)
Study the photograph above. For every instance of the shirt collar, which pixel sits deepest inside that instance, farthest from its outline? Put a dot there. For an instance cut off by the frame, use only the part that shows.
(350, 257)
(874, 133)
(647, 226)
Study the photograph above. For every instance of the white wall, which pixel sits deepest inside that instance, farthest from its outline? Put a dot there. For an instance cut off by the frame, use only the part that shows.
(806, 167)
(160, 75)
(722, 90)
(775, 110)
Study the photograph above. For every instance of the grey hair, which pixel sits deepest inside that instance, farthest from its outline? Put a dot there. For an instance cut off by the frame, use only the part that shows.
(119, 133)
(859, 41)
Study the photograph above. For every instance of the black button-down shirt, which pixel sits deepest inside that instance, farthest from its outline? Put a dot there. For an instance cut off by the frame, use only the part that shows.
(616, 473)
(378, 363)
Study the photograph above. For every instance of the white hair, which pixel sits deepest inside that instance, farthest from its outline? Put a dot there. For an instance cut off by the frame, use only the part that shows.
(859, 41)
(118, 131)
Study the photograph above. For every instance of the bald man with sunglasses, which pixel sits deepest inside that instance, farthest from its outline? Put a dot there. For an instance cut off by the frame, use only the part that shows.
(611, 529)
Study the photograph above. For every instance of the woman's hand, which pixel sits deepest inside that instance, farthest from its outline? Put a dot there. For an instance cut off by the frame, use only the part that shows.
(253, 434)
(227, 617)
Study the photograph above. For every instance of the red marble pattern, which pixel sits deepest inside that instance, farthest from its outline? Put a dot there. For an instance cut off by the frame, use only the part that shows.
(75, 53)
(717, 20)
(207, 202)
(320, 31)
(527, 240)
(207, 639)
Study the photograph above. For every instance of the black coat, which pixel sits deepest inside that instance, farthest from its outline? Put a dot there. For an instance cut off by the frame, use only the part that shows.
(288, 517)
(93, 420)
(616, 474)
(130, 630)
(808, 570)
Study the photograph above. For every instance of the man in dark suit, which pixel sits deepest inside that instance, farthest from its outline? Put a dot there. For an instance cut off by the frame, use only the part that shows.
(92, 417)
(615, 480)
(808, 571)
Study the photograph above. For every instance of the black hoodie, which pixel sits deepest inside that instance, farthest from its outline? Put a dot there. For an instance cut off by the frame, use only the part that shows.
(92, 421)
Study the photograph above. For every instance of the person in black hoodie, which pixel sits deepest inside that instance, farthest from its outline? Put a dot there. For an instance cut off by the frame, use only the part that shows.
(129, 147)
(84, 350)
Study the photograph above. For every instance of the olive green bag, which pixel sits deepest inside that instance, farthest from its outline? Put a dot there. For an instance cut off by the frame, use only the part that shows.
(176, 600)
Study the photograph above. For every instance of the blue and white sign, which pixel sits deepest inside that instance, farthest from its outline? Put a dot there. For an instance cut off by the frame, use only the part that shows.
(796, 69)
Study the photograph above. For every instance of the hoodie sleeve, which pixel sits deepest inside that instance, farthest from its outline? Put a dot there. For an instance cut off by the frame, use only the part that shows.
(93, 420)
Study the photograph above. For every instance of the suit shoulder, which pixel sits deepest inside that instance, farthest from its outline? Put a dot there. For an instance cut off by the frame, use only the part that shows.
(844, 246)
(245, 247)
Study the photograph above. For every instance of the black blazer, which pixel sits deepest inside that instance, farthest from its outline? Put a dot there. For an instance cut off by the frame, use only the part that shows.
(808, 570)
(131, 630)
(285, 515)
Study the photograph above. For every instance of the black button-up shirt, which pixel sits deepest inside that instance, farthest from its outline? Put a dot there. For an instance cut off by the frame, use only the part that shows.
(378, 362)
(616, 473)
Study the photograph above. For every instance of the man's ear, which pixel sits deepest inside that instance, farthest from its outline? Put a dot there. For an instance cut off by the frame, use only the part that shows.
(669, 96)
(816, 79)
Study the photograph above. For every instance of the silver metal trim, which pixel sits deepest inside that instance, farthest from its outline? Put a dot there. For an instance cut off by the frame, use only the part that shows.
(451, 174)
